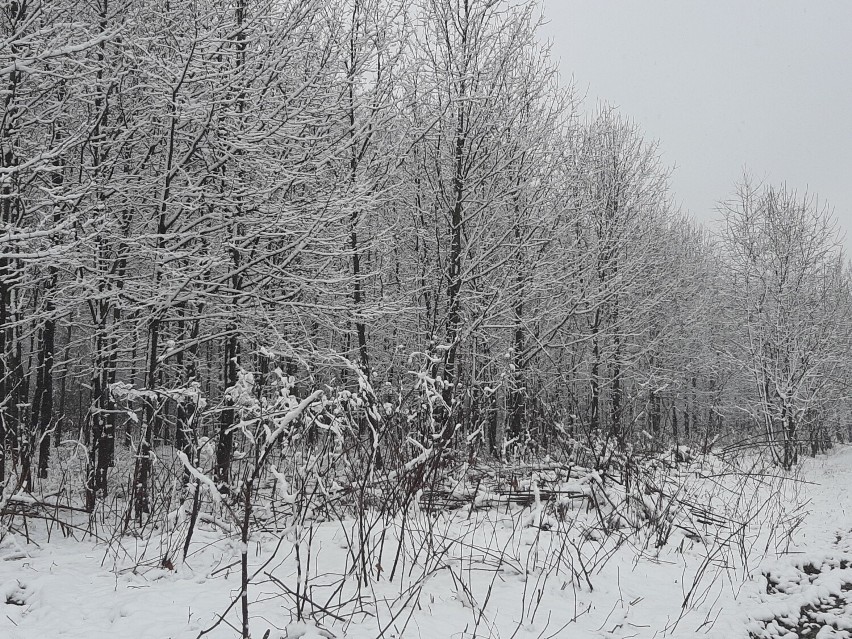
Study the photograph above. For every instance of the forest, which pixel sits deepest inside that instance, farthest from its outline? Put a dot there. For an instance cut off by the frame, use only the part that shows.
(280, 262)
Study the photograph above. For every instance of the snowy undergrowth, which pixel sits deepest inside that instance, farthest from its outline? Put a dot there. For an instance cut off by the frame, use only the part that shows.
(807, 591)
(545, 550)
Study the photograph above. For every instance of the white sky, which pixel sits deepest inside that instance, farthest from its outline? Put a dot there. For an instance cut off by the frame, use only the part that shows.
(722, 85)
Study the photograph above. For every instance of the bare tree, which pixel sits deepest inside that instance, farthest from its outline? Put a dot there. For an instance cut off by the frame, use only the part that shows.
(788, 292)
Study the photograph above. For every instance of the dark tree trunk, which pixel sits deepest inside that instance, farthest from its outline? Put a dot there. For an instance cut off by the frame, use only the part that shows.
(42, 413)
(225, 444)
(594, 407)
(152, 408)
(518, 392)
(454, 277)
(675, 433)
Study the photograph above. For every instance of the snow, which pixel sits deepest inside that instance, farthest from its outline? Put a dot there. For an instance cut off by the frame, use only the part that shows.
(501, 572)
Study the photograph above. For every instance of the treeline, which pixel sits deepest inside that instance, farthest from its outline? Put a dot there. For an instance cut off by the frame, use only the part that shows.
(206, 200)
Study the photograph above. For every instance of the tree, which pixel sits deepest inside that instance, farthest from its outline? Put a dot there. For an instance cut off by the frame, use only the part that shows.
(46, 60)
(788, 292)
(623, 198)
(486, 112)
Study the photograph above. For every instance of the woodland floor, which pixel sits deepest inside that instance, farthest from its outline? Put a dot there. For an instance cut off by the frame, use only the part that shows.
(463, 574)
(809, 592)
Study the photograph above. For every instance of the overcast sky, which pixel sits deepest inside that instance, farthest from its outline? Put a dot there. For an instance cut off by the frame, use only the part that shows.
(722, 85)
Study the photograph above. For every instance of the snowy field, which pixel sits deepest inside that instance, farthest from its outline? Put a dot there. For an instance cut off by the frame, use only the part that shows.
(485, 572)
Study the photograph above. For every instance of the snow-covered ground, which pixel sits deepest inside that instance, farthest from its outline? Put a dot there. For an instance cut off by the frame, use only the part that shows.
(471, 573)
(806, 593)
